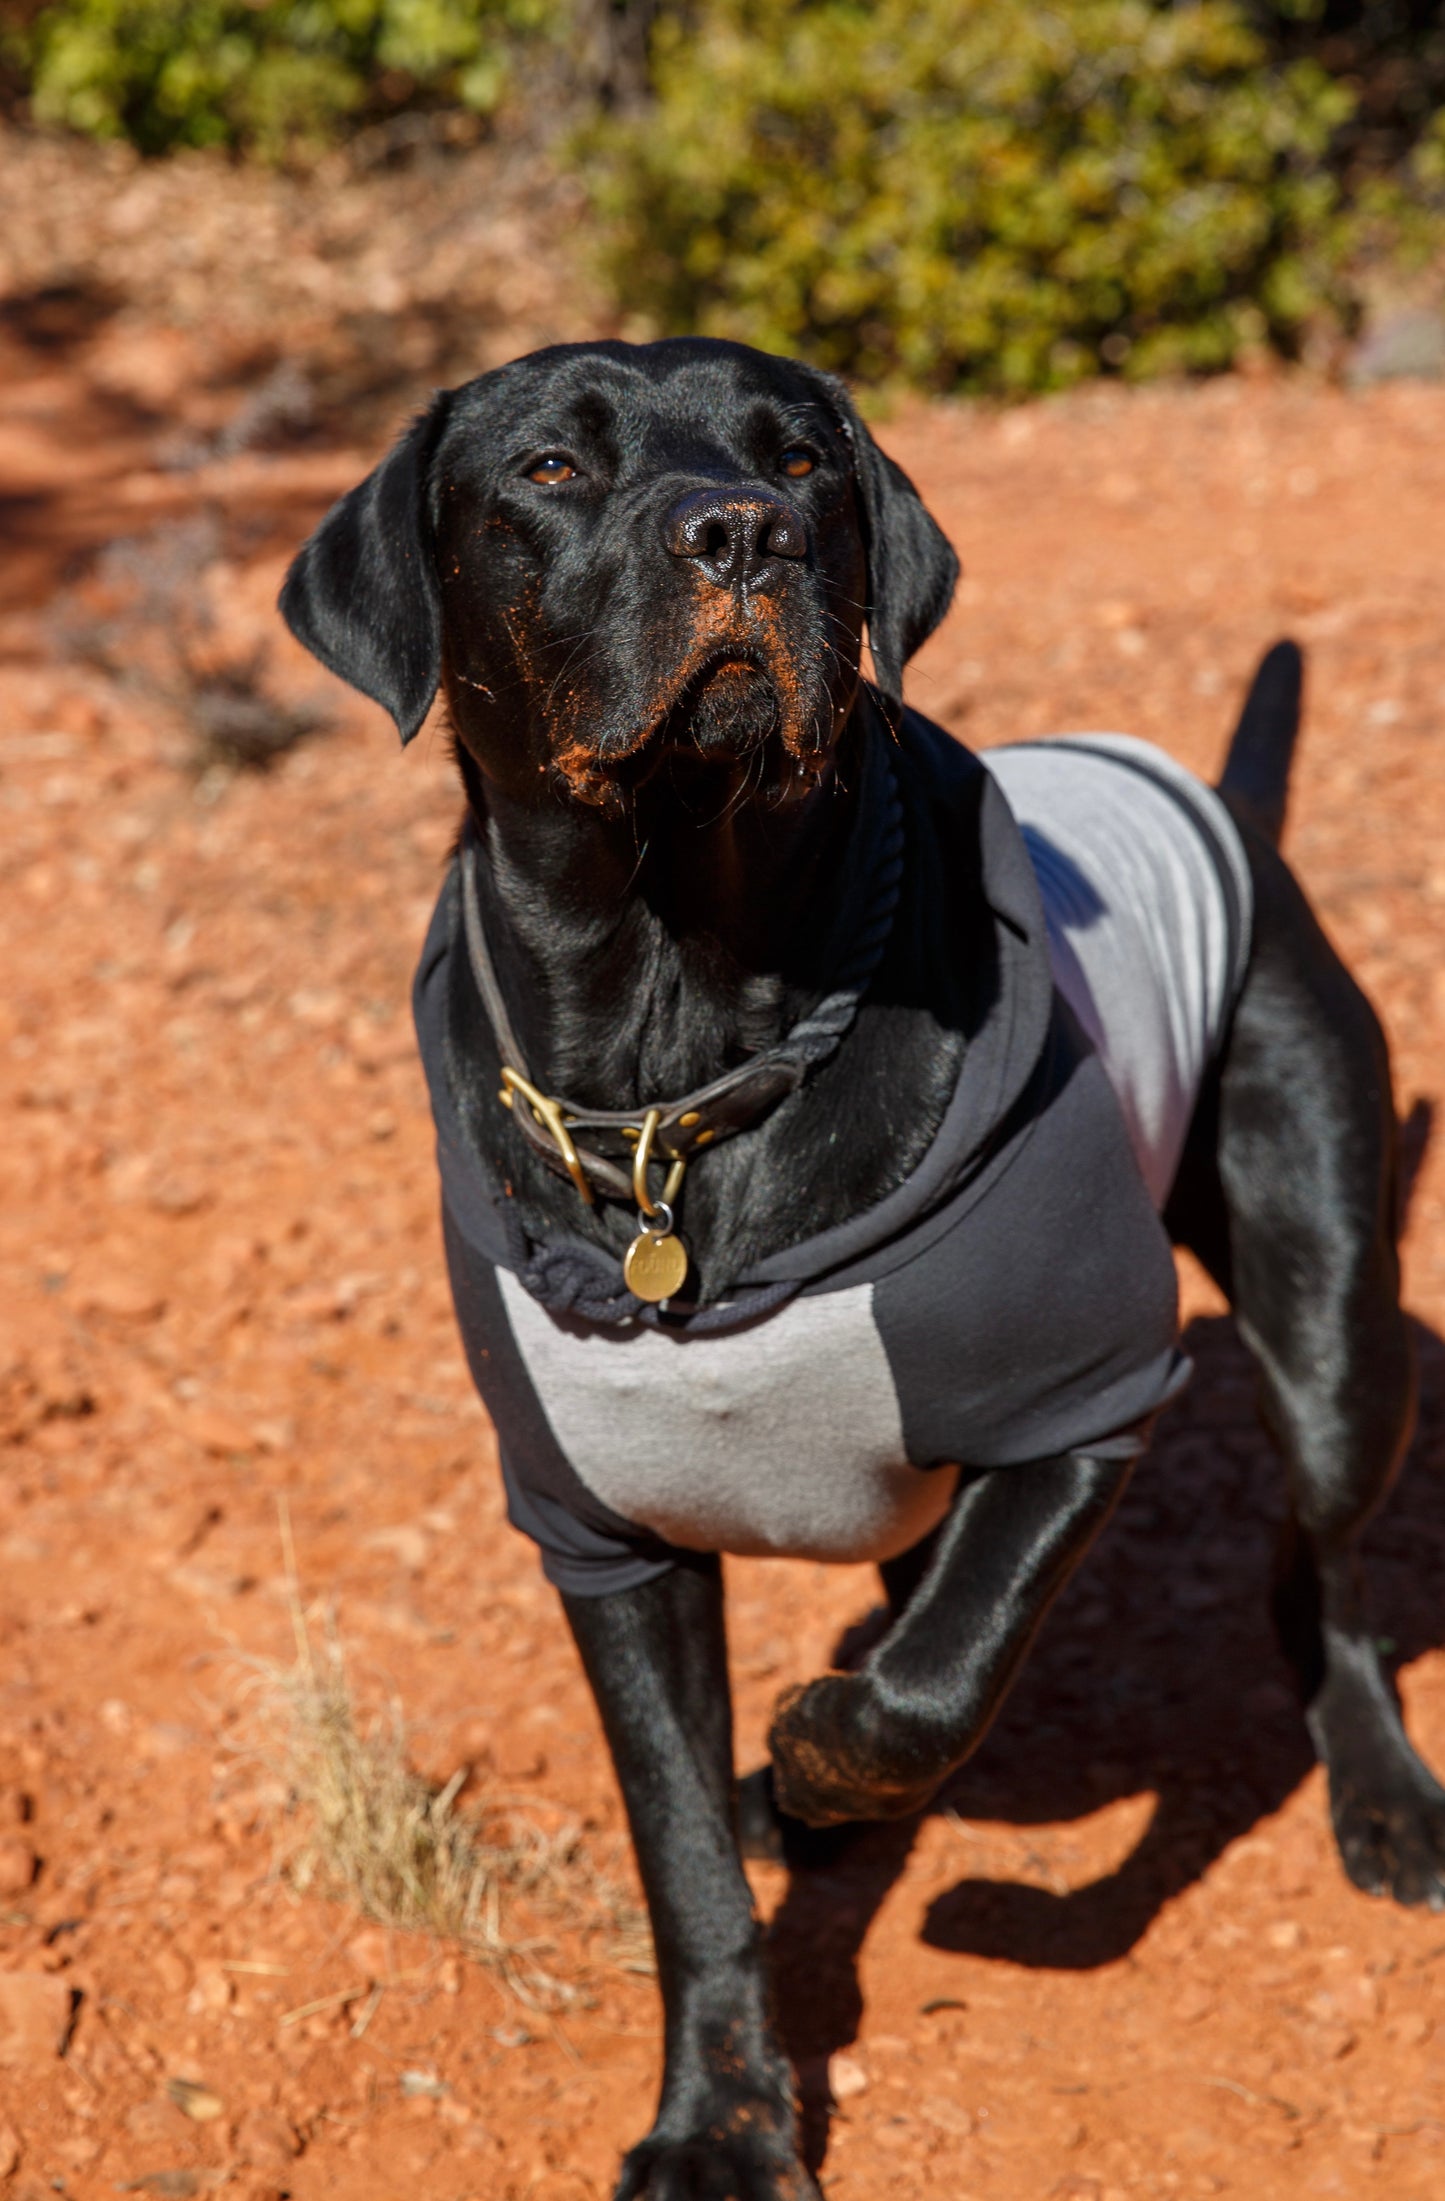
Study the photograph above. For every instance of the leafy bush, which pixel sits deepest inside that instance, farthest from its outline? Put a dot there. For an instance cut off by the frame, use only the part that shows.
(974, 194)
(266, 75)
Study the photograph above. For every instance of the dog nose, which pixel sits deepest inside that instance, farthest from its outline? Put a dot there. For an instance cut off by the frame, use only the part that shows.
(733, 534)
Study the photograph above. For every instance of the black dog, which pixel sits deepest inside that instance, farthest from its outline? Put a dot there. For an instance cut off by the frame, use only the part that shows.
(737, 899)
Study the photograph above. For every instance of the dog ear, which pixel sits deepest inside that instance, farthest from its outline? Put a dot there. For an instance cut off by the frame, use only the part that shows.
(362, 593)
(912, 569)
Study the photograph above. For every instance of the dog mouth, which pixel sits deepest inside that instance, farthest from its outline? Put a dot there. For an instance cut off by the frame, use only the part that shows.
(727, 708)
(734, 703)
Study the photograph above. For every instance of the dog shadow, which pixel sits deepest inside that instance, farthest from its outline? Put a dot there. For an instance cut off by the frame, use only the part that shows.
(1157, 1671)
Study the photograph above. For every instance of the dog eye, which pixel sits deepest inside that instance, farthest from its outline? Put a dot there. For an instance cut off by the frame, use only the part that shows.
(796, 462)
(553, 468)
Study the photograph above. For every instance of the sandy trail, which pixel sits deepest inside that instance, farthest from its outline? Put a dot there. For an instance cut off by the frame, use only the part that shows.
(1123, 1960)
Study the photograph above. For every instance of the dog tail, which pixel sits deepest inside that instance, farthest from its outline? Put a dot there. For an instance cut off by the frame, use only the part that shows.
(1256, 770)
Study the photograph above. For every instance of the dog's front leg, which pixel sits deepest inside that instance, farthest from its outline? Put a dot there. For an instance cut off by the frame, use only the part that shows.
(876, 1744)
(657, 1662)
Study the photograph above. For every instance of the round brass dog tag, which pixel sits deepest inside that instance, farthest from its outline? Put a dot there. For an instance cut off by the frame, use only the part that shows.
(654, 1266)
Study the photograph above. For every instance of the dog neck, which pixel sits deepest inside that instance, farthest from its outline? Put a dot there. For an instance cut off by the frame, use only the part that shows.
(640, 957)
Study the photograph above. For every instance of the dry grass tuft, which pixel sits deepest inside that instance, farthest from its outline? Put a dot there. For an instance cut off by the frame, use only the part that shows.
(358, 1822)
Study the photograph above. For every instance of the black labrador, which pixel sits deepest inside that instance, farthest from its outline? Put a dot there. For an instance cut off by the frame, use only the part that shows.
(642, 578)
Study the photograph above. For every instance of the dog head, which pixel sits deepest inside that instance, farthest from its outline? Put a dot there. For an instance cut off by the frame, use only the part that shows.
(620, 558)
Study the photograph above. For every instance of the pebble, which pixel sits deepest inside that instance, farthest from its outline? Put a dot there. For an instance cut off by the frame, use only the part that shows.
(214, 1991)
(846, 2077)
(35, 2016)
(947, 2115)
(125, 1298)
(9, 2150)
(18, 1866)
(219, 1432)
(155, 2124)
(196, 2099)
(266, 2141)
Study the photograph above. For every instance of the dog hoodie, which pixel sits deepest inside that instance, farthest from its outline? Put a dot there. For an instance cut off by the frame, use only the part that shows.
(1014, 1298)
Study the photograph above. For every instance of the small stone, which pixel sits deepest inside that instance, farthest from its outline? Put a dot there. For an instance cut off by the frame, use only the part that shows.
(1286, 1933)
(846, 2078)
(947, 2116)
(124, 1298)
(219, 1432)
(265, 2141)
(371, 1952)
(196, 2099)
(156, 2124)
(405, 1542)
(172, 1971)
(214, 1991)
(477, 2139)
(896, 2133)
(9, 2150)
(180, 1195)
(35, 2017)
(18, 1866)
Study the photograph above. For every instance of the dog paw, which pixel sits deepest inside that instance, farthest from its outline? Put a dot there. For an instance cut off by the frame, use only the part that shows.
(1391, 1833)
(773, 1837)
(716, 2165)
(835, 1757)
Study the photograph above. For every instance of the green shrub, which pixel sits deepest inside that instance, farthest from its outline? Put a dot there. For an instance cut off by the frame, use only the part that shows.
(976, 194)
(269, 76)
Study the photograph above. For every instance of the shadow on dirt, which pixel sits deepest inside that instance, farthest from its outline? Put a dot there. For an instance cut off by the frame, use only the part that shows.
(1157, 1671)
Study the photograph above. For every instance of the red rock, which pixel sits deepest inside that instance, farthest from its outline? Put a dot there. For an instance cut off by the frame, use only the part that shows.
(35, 2016)
(157, 2124)
(266, 2141)
(9, 2150)
(125, 1298)
(18, 1866)
(219, 1431)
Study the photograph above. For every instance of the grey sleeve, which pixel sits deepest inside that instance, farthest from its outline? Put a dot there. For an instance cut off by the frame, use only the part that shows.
(587, 1550)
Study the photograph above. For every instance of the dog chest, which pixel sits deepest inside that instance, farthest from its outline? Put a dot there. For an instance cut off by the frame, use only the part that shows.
(784, 1437)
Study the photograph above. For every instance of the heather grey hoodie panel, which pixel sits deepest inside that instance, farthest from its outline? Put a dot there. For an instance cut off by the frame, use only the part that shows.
(1146, 892)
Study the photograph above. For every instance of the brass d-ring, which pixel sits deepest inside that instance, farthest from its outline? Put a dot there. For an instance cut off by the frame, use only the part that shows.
(640, 1157)
(549, 1115)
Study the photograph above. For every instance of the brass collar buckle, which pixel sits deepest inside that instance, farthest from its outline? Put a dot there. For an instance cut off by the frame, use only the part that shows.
(643, 1156)
(549, 1116)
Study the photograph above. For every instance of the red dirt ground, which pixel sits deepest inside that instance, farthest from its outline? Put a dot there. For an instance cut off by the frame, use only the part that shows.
(1123, 1961)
